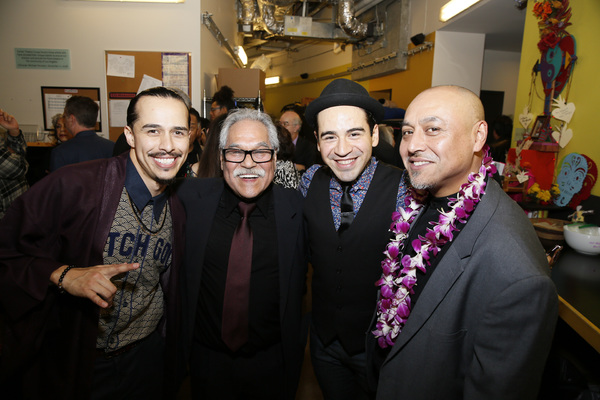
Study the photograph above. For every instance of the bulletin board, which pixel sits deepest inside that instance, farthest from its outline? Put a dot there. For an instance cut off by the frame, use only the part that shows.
(54, 99)
(140, 68)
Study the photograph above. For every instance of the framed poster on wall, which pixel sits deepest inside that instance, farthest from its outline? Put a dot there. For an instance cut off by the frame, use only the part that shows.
(55, 97)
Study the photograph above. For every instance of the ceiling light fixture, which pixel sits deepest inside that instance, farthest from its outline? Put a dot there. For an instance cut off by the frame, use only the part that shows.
(239, 51)
(144, 1)
(454, 7)
(272, 80)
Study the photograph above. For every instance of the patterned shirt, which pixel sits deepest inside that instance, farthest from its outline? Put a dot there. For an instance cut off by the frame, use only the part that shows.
(13, 167)
(357, 192)
(141, 232)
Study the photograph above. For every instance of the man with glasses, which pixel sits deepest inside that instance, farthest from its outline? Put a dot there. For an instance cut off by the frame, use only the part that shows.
(244, 271)
(305, 151)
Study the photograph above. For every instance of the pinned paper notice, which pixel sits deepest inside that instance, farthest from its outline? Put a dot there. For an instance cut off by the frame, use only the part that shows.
(118, 113)
(120, 65)
(149, 82)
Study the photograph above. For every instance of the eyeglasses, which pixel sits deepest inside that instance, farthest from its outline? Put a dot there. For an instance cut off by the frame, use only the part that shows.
(238, 156)
(216, 108)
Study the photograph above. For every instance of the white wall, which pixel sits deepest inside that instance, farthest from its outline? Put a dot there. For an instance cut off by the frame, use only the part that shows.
(452, 49)
(87, 29)
(500, 73)
(214, 56)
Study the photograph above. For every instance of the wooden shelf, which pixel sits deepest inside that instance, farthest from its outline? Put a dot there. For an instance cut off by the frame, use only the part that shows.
(40, 144)
(546, 147)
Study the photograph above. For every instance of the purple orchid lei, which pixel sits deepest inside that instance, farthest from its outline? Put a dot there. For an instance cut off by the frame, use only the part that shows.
(400, 270)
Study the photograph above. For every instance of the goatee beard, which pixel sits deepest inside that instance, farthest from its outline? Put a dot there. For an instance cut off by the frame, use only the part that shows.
(165, 182)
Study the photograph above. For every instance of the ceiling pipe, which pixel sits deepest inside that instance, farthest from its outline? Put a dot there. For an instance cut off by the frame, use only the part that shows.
(349, 23)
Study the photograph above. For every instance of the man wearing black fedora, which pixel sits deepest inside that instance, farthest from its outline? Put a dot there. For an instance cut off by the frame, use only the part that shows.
(349, 203)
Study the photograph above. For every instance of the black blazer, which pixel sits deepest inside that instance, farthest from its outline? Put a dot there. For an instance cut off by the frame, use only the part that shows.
(200, 198)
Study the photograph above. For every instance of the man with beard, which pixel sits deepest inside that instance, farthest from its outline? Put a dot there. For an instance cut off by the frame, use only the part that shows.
(467, 308)
(89, 266)
(244, 271)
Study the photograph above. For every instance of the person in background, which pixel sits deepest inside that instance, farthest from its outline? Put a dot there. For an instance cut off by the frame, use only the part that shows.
(13, 165)
(80, 116)
(348, 209)
(305, 151)
(467, 309)
(210, 161)
(222, 102)
(286, 173)
(89, 264)
(204, 124)
(192, 162)
(501, 135)
(196, 128)
(242, 332)
(58, 124)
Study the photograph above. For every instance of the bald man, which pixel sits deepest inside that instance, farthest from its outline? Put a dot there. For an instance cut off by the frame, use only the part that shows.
(470, 312)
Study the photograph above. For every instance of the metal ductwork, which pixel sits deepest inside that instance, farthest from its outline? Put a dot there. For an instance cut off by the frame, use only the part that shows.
(271, 24)
(349, 23)
(377, 29)
(296, 18)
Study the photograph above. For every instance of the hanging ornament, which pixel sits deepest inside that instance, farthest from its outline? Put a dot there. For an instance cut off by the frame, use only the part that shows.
(525, 117)
(557, 47)
(564, 136)
(562, 110)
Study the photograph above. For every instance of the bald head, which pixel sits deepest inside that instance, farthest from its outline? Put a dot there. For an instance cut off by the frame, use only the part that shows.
(443, 134)
(470, 104)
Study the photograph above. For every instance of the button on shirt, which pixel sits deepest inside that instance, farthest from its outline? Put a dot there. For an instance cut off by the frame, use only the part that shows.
(357, 192)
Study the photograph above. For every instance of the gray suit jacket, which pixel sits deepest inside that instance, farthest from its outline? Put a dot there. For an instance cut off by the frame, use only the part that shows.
(200, 198)
(483, 325)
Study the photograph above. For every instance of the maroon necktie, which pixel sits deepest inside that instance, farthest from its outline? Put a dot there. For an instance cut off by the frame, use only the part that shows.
(234, 327)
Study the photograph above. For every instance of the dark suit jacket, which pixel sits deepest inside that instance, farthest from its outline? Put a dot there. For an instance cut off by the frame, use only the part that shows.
(201, 198)
(85, 146)
(305, 153)
(483, 325)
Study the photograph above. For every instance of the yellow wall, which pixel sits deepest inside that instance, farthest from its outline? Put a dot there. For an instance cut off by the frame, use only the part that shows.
(277, 97)
(405, 85)
(585, 86)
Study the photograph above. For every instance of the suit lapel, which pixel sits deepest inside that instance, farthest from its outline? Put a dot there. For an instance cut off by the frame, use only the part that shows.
(199, 224)
(449, 269)
(287, 220)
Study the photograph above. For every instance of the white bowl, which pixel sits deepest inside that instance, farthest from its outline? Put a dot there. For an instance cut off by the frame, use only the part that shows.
(584, 240)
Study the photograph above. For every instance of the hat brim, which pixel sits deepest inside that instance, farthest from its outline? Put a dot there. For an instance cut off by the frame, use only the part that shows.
(343, 99)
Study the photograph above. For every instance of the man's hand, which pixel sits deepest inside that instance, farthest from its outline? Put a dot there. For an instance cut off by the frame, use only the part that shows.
(92, 282)
(9, 123)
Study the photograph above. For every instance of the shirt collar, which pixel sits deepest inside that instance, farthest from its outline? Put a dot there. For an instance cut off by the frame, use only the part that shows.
(230, 200)
(362, 183)
(139, 193)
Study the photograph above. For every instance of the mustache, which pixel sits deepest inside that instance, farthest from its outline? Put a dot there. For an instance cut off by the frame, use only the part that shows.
(248, 171)
(174, 153)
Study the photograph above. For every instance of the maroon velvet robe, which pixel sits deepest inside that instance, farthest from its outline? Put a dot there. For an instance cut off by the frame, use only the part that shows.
(50, 338)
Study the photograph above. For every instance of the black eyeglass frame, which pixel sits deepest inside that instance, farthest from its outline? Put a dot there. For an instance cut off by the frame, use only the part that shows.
(246, 152)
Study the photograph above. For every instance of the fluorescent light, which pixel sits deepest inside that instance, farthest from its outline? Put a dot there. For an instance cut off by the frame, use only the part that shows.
(239, 50)
(144, 1)
(454, 7)
(272, 80)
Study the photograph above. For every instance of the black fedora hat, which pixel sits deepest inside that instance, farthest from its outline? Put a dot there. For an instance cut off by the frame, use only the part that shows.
(343, 92)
